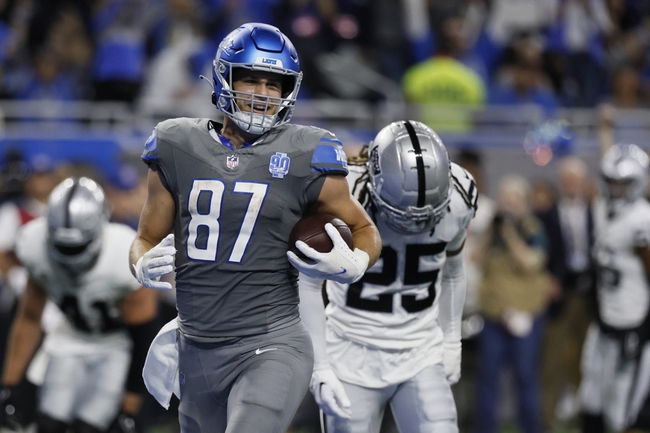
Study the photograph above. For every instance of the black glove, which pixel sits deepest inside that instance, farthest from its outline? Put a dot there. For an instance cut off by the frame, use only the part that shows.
(8, 415)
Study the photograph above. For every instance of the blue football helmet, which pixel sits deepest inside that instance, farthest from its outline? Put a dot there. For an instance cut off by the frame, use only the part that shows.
(410, 176)
(258, 47)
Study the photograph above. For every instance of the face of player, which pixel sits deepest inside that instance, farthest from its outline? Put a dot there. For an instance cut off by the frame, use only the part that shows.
(265, 89)
(617, 188)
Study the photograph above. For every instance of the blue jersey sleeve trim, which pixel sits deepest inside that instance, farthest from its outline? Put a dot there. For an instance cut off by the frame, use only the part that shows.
(330, 158)
(150, 153)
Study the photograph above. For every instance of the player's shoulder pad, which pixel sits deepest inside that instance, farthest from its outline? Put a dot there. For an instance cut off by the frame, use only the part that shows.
(642, 224)
(328, 156)
(29, 239)
(162, 130)
(118, 238)
(121, 232)
(641, 212)
(464, 185)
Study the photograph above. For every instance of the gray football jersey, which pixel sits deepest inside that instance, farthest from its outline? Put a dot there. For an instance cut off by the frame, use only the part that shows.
(235, 209)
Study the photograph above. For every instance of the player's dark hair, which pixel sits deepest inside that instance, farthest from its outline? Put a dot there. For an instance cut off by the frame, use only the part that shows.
(361, 184)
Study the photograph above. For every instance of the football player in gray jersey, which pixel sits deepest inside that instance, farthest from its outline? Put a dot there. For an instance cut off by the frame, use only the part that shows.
(78, 259)
(615, 387)
(222, 200)
(393, 338)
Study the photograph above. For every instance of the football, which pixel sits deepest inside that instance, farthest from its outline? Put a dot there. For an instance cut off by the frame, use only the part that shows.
(311, 230)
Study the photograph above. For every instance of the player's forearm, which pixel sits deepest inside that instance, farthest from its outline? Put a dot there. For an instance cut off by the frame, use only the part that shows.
(367, 238)
(23, 341)
(156, 219)
(452, 297)
(312, 313)
(138, 248)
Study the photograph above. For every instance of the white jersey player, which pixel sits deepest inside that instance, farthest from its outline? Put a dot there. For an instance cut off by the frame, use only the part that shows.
(394, 336)
(78, 260)
(616, 356)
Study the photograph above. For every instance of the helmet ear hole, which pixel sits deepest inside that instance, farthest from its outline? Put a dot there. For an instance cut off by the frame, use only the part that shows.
(288, 85)
(214, 98)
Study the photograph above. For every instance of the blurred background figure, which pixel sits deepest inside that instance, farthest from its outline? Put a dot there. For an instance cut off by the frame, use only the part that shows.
(120, 29)
(172, 80)
(626, 88)
(26, 186)
(126, 191)
(472, 161)
(569, 228)
(521, 78)
(543, 195)
(91, 375)
(443, 84)
(615, 387)
(584, 64)
(13, 174)
(513, 296)
(578, 36)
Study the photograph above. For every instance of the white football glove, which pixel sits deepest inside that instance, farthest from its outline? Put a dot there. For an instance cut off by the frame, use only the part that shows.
(329, 393)
(155, 263)
(341, 264)
(451, 361)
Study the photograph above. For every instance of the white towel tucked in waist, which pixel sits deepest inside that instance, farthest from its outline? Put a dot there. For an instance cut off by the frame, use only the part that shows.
(160, 371)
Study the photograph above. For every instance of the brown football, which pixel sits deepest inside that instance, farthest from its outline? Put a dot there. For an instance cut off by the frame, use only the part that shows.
(311, 230)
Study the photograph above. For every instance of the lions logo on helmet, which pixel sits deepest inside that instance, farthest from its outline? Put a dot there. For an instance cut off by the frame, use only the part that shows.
(410, 176)
(76, 217)
(257, 47)
(624, 174)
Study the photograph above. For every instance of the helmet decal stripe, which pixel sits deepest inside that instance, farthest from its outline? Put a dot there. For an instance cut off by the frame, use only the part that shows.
(419, 162)
(66, 218)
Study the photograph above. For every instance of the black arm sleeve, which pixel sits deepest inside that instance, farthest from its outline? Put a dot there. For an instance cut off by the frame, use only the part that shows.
(142, 336)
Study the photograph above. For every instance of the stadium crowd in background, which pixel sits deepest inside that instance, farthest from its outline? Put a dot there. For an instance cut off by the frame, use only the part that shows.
(571, 53)
(555, 53)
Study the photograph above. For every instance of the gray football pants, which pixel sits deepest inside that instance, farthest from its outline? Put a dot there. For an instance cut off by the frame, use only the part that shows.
(424, 404)
(246, 385)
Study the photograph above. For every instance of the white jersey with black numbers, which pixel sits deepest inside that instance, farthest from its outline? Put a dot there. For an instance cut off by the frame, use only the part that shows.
(623, 292)
(90, 301)
(394, 307)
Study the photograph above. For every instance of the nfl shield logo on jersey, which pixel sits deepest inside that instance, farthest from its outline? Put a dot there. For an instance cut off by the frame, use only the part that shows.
(232, 162)
(279, 165)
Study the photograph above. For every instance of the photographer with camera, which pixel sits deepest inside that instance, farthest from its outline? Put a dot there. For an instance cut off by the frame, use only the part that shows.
(513, 296)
